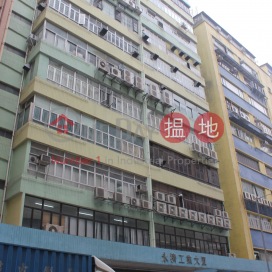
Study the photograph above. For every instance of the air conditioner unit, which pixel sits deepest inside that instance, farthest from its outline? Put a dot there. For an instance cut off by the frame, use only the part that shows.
(135, 201)
(127, 199)
(34, 159)
(44, 160)
(119, 197)
(132, 4)
(138, 83)
(196, 147)
(219, 221)
(247, 195)
(160, 196)
(213, 154)
(225, 214)
(210, 219)
(253, 197)
(266, 202)
(233, 70)
(202, 217)
(115, 72)
(166, 98)
(232, 255)
(172, 210)
(160, 24)
(205, 151)
(234, 109)
(98, 4)
(111, 195)
(247, 118)
(183, 213)
(128, 77)
(161, 207)
(100, 192)
(260, 200)
(153, 92)
(184, 26)
(41, 6)
(219, 58)
(138, 10)
(32, 39)
(217, 212)
(227, 223)
(146, 204)
(243, 115)
(171, 199)
(251, 84)
(27, 67)
(54, 228)
(193, 215)
(229, 38)
(140, 188)
(103, 66)
(218, 28)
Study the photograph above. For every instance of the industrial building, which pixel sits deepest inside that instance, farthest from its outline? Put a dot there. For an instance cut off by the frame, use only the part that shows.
(84, 86)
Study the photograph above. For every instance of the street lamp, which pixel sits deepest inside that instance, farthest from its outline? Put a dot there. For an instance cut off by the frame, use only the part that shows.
(262, 234)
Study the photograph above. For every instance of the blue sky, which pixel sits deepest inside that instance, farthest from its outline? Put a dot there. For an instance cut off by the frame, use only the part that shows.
(248, 21)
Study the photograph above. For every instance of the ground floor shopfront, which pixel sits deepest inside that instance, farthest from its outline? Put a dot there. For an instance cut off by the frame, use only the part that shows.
(30, 250)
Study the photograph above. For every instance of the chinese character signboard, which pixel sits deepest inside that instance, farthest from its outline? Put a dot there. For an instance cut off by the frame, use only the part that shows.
(209, 127)
(187, 259)
(175, 127)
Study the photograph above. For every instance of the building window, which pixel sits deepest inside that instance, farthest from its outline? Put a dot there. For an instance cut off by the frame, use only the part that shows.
(268, 171)
(266, 147)
(189, 200)
(9, 89)
(177, 105)
(252, 188)
(93, 25)
(154, 119)
(182, 165)
(87, 88)
(2, 184)
(84, 222)
(258, 106)
(21, 18)
(254, 223)
(5, 133)
(232, 88)
(14, 50)
(247, 161)
(189, 240)
(242, 134)
(80, 172)
(64, 120)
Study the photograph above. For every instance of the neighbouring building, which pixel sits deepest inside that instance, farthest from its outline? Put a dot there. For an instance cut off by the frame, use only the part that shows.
(240, 92)
(84, 86)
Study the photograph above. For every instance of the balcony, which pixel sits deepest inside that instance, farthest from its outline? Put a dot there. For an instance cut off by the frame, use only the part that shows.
(255, 86)
(246, 124)
(255, 177)
(254, 152)
(257, 239)
(241, 85)
(245, 105)
(263, 209)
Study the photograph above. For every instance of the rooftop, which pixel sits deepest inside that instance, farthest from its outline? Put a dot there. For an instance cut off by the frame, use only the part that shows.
(202, 16)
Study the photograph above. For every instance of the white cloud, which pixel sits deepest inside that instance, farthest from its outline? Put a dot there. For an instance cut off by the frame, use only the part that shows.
(248, 21)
